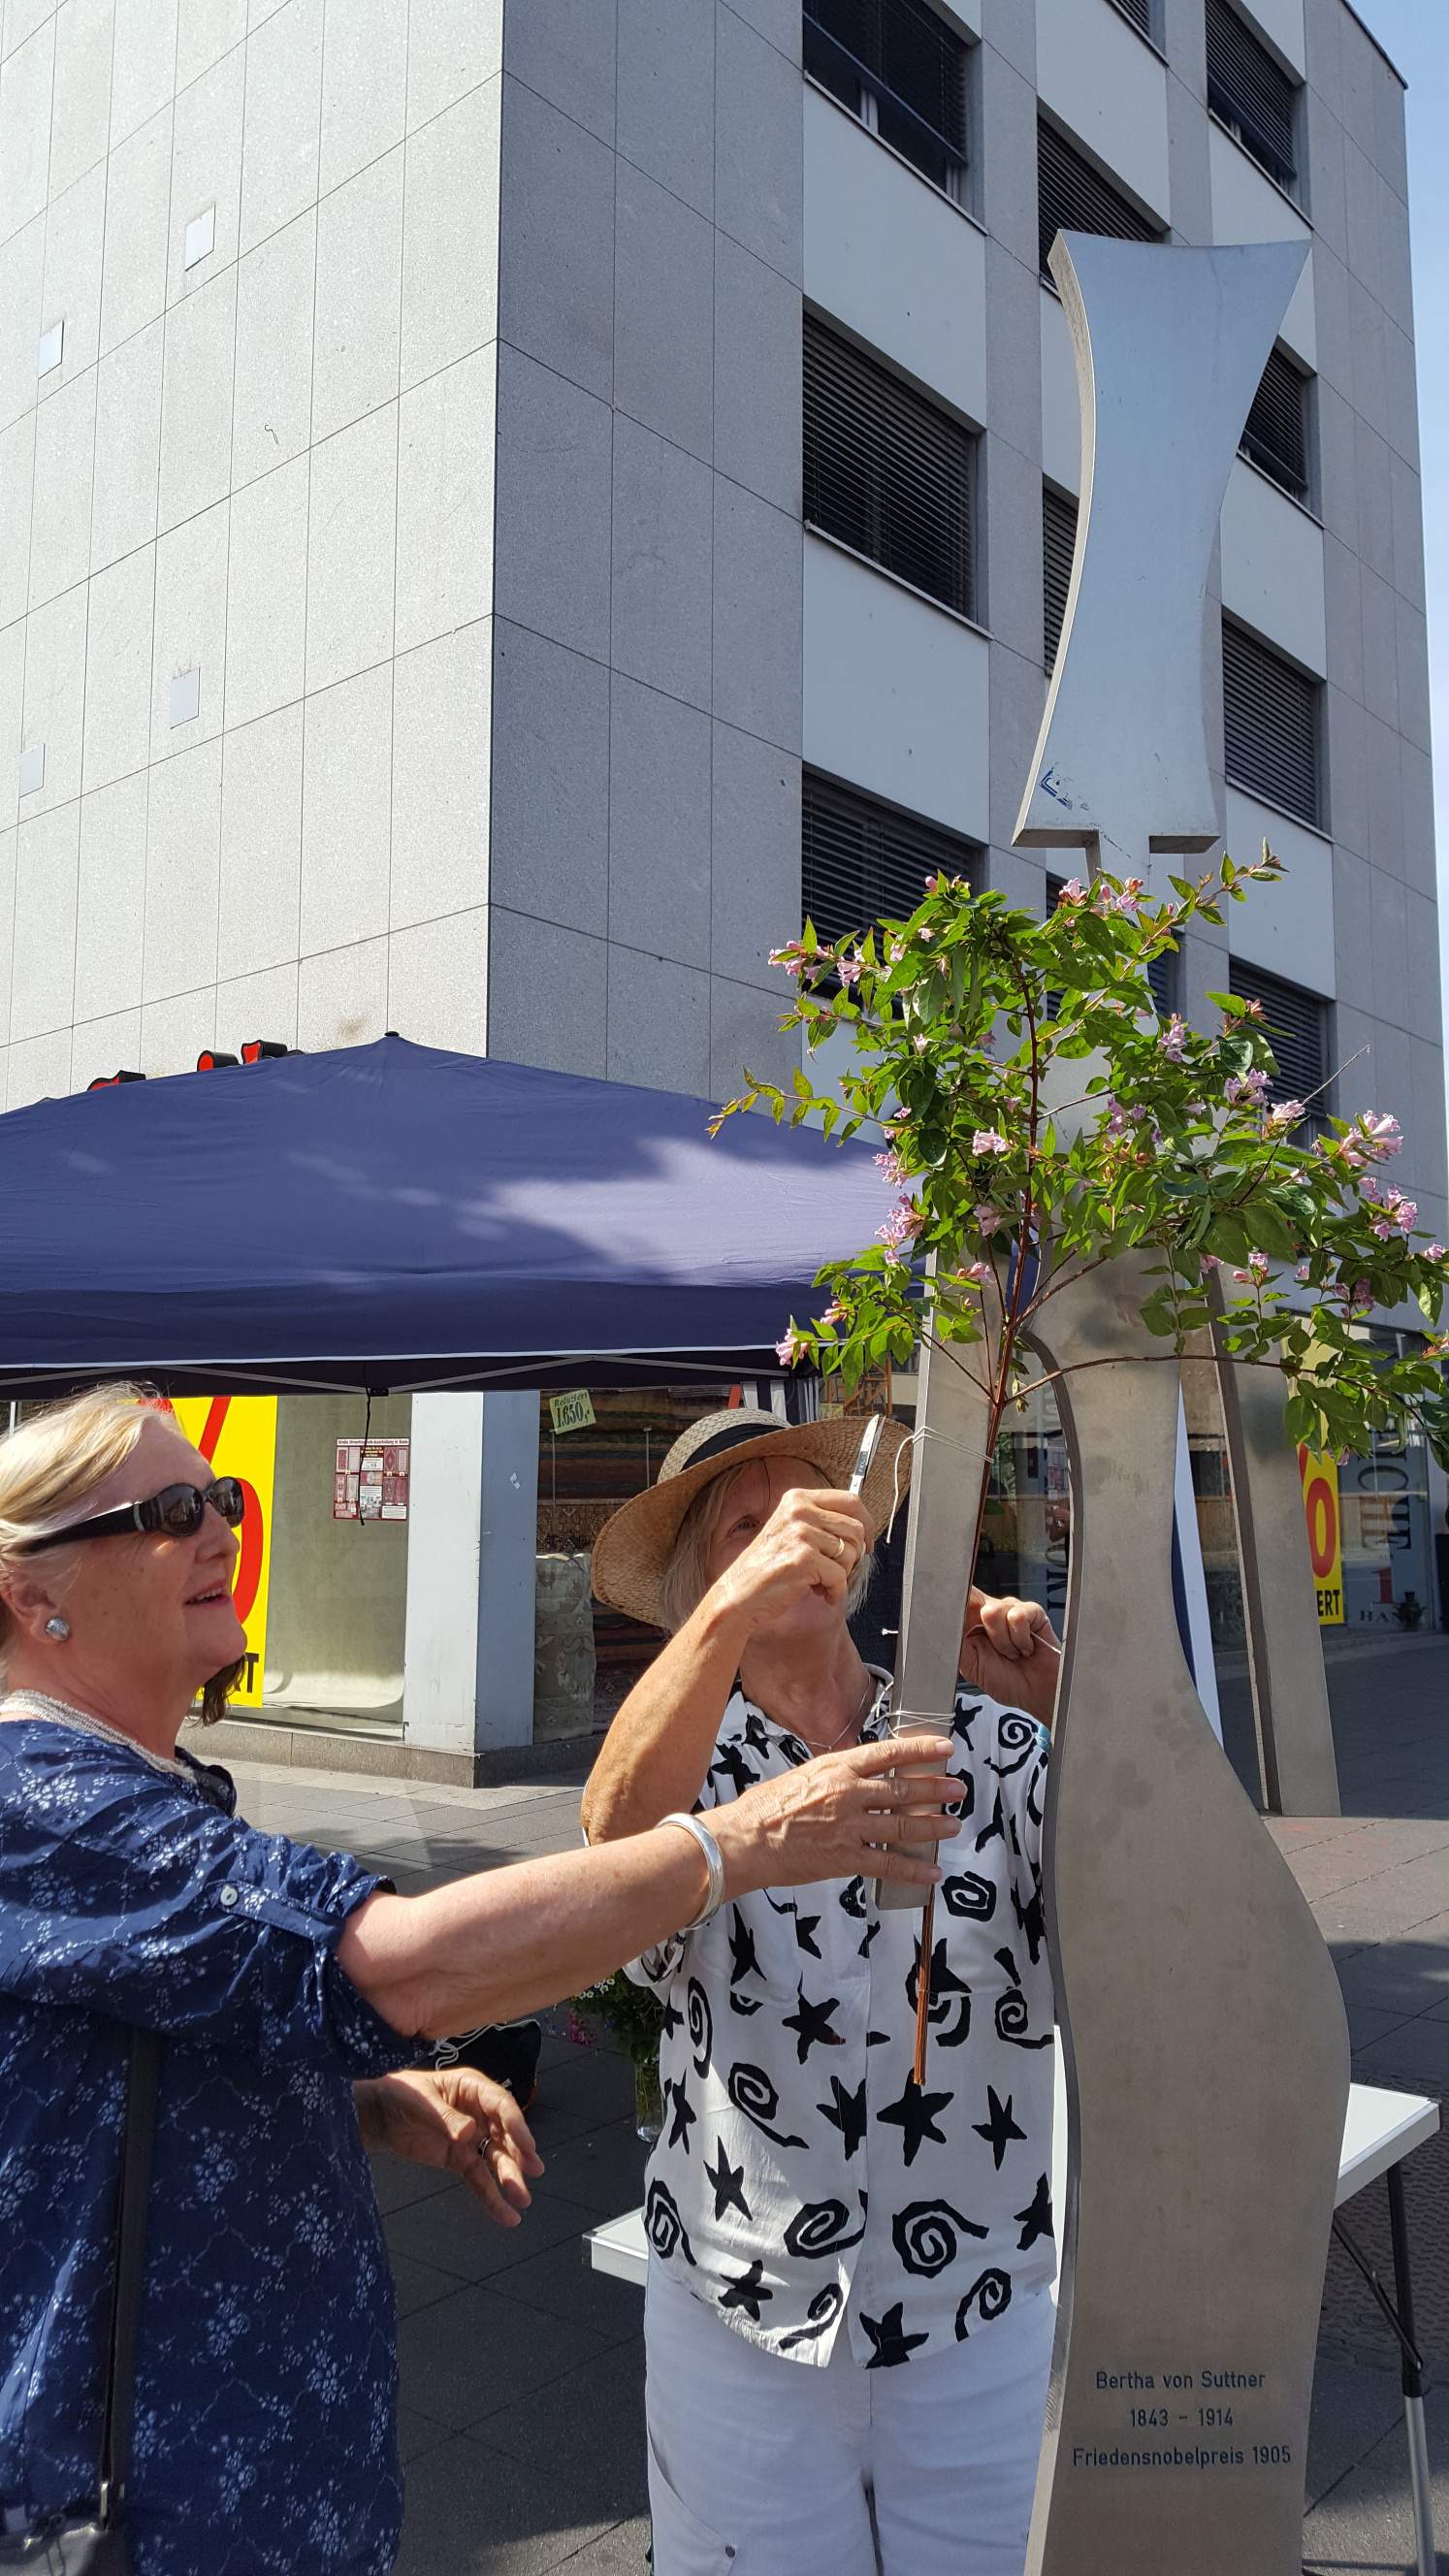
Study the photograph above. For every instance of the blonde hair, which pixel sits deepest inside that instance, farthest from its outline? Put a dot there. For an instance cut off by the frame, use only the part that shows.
(685, 1579)
(51, 1463)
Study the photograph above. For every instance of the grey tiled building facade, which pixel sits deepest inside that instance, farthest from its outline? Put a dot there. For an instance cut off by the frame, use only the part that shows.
(412, 614)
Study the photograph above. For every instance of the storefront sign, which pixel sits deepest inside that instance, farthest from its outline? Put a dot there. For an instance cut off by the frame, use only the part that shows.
(372, 1480)
(572, 1412)
(1325, 1533)
(238, 1435)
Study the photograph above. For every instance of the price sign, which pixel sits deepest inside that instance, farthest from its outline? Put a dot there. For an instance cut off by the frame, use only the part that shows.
(572, 1412)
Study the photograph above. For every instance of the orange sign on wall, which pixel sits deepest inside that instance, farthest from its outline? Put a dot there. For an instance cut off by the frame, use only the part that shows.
(1325, 1533)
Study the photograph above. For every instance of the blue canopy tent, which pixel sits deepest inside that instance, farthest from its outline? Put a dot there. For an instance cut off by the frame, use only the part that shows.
(393, 1217)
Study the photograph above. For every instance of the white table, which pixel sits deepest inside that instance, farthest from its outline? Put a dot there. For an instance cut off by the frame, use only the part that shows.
(1380, 2130)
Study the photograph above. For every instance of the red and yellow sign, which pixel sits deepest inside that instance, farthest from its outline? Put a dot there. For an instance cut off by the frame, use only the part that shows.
(238, 1435)
(1325, 1533)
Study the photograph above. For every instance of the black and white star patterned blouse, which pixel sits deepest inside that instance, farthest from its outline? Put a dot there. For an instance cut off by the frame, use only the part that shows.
(800, 2178)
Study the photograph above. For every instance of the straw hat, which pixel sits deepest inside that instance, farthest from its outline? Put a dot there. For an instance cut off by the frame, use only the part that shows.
(633, 1549)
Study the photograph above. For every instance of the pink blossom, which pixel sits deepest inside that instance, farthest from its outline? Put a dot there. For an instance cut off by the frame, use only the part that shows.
(1258, 1264)
(902, 1225)
(1209, 1263)
(835, 1313)
(1072, 893)
(1360, 1296)
(1381, 1134)
(1117, 1121)
(1301, 1273)
(893, 1168)
(1436, 1252)
(987, 1219)
(921, 1045)
(1252, 1011)
(1286, 1113)
(850, 969)
(1129, 900)
(1252, 1087)
(788, 1349)
(1174, 1038)
(931, 884)
(989, 1140)
(1369, 1186)
(792, 959)
(976, 1271)
(1437, 1347)
(895, 951)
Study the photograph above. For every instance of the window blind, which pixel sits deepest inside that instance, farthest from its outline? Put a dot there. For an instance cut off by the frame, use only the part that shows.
(1276, 435)
(1140, 13)
(899, 62)
(1072, 196)
(1270, 724)
(1296, 1026)
(1251, 92)
(861, 860)
(1059, 540)
(886, 472)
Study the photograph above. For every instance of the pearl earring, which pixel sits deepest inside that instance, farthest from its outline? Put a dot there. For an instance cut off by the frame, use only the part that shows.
(58, 1628)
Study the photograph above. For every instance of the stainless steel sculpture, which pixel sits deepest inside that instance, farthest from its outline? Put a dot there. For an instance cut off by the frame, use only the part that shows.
(1205, 2044)
(1170, 345)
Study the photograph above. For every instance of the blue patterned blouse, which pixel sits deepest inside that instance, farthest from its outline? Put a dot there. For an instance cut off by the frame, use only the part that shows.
(264, 2432)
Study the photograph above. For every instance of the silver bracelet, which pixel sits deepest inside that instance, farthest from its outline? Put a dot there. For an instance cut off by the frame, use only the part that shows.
(714, 1863)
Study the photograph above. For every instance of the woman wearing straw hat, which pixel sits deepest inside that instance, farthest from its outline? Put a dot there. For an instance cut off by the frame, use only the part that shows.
(848, 2319)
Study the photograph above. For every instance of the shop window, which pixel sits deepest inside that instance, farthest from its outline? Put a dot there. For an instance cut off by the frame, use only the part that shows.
(887, 472)
(337, 1596)
(897, 66)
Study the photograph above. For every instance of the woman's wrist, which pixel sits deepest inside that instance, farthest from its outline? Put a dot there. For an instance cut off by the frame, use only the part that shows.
(741, 1847)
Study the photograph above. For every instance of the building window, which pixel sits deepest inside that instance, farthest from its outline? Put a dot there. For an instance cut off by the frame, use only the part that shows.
(902, 71)
(1270, 724)
(1058, 541)
(861, 860)
(887, 472)
(1073, 196)
(1251, 93)
(1276, 435)
(1296, 1026)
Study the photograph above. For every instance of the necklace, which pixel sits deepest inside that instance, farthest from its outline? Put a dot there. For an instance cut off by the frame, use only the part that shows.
(872, 1687)
(42, 1705)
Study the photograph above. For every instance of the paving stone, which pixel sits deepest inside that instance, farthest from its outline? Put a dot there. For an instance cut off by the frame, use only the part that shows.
(419, 2285)
(453, 2232)
(398, 2184)
(602, 2169)
(621, 2552)
(562, 2282)
(467, 2356)
(472, 2512)
(1365, 2523)
(417, 2433)
(588, 2425)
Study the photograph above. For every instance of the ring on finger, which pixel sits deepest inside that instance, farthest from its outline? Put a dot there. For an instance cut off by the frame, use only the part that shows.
(839, 1544)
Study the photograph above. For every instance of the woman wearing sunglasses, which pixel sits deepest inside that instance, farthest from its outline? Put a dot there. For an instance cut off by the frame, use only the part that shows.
(289, 1989)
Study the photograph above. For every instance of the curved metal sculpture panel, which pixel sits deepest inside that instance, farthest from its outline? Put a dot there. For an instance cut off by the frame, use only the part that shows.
(1207, 2057)
(1170, 345)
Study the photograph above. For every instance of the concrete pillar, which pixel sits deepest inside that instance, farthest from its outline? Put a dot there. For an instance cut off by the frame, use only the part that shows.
(468, 1658)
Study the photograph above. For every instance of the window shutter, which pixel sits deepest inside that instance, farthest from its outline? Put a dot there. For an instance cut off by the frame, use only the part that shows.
(1072, 196)
(886, 472)
(1251, 92)
(1059, 539)
(1140, 13)
(1276, 435)
(909, 62)
(1270, 724)
(1296, 1025)
(861, 860)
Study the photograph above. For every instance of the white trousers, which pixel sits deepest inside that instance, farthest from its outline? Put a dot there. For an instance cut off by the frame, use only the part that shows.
(760, 2466)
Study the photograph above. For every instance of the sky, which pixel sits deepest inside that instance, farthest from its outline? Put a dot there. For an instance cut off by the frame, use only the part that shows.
(1415, 36)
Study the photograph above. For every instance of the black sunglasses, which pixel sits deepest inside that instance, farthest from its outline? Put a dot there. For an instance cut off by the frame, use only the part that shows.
(177, 1509)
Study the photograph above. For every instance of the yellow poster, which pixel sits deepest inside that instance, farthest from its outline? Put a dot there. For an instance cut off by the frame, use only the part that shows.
(238, 1434)
(1325, 1533)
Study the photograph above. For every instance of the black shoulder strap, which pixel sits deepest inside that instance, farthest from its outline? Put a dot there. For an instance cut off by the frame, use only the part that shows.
(130, 2262)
